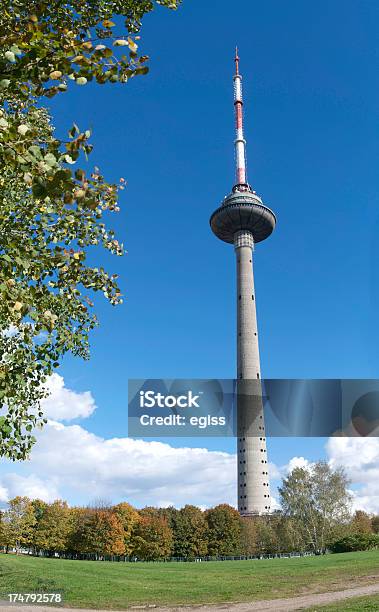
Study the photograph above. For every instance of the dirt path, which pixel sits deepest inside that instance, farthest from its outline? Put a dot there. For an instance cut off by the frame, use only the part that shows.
(305, 602)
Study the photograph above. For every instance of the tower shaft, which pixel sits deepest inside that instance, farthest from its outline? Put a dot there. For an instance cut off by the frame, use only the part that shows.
(253, 484)
(248, 365)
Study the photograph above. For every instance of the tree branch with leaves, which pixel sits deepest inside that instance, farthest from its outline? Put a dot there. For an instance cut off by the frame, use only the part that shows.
(52, 212)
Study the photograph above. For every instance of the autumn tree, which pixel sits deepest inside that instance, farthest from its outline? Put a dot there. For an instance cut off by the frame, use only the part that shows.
(270, 534)
(150, 511)
(168, 513)
(52, 211)
(97, 531)
(152, 539)
(190, 532)
(128, 518)
(3, 535)
(249, 536)
(224, 530)
(76, 540)
(39, 509)
(18, 523)
(375, 523)
(53, 527)
(361, 523)
(267, 536)
(105, 534)
(317, 499)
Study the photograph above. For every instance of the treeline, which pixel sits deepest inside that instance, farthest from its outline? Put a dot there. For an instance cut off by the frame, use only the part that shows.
(148, 534)
(161, 533)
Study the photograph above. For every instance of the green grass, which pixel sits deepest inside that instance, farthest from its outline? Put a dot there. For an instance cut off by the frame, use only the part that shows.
(96, 584)
(352, 605)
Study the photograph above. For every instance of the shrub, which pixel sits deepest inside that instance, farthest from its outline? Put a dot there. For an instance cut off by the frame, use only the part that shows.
(355, 541)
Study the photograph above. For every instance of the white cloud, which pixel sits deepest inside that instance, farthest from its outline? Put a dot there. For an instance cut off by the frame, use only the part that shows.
(4, 494)
(297, 462)
(360, 459)
(274, 471)
(279, 472)
(64, 404)
(275, 505)
(31, 486)
(69, 458)
(70, 462)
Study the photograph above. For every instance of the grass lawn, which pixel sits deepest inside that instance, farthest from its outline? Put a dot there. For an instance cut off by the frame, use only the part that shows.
(352, 605)
(96, 584)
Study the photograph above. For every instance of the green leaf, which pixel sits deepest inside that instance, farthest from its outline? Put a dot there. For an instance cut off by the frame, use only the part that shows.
(50, 159)
(10, 56)
(36, 152)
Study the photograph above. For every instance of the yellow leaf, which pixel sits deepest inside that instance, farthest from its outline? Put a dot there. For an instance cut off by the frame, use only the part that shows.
(56, 74)
(132, 45)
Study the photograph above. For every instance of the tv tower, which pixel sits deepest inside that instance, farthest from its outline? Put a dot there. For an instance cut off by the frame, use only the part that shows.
(243, 220)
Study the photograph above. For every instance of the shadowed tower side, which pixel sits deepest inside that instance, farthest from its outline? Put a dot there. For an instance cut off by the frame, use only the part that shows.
(243, 220)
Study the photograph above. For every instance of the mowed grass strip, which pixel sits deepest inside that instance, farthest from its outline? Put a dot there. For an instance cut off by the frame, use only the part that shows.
(96, 584)
(352, 605)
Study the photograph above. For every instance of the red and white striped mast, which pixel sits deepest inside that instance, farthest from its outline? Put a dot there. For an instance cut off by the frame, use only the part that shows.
(240, 142)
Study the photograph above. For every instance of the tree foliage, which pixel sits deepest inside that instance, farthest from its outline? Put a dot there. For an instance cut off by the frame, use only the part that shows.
(190, 532)
(355, 541)
(104, 533)
(51, 210)
(224, 530)
(375, 523)
(152, 539)
(96, 531)
(154, 534)
(18, 523)
(53, 524)
(267, 535)
(128, 518)
(362, 522)
(318, 501)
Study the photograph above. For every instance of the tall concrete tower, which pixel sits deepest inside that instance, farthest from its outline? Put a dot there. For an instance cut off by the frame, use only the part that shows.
(243, 220)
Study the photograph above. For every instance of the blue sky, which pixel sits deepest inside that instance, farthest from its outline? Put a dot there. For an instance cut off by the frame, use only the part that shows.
(311, 99)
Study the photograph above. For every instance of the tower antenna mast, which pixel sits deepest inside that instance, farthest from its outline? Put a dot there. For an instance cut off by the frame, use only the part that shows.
(240, 142)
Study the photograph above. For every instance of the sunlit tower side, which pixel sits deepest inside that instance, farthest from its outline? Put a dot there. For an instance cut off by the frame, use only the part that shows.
(243, 220)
